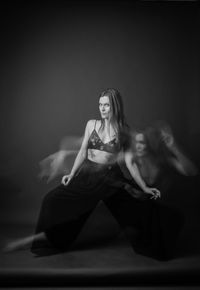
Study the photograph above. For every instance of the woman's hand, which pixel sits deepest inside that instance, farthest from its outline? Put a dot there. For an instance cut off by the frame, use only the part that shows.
(153, 191)
(141, 194)
(66, 179)
(167, 138)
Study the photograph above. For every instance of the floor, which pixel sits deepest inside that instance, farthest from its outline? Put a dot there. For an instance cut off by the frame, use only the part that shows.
(103, 257)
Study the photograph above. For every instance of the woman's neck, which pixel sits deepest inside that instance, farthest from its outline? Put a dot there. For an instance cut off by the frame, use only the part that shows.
(108, 128)
(107, 123)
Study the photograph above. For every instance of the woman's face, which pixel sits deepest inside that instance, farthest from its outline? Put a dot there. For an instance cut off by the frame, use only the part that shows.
(104, 107)
(140, 144)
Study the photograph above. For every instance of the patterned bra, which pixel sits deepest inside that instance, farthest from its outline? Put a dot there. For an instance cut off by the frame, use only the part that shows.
(95, 142)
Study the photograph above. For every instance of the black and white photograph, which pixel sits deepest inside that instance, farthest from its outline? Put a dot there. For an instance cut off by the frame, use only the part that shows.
(100, 145)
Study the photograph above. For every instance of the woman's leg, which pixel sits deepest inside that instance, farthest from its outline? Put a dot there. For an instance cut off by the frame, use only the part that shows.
(62, 236)
(140, 222)
(24, 243)
(151, 227)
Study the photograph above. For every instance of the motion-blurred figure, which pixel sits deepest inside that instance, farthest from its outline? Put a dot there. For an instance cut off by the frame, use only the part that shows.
(157, 156)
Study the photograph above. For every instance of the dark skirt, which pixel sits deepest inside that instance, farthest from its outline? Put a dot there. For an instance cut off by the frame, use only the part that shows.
(65, 209)
(158, 222)
(151, 226)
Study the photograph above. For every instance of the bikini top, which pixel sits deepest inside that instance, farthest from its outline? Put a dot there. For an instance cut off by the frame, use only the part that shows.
(95, 142)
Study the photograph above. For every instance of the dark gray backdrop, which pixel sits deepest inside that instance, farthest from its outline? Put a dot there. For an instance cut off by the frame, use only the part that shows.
(58, 57)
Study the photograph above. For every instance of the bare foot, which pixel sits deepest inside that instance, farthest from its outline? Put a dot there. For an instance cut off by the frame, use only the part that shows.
(16, 245)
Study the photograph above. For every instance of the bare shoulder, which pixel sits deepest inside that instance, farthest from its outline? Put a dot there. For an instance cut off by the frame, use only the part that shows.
(90, 123)
(130, 155)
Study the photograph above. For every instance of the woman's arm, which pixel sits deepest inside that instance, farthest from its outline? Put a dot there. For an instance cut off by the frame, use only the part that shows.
(135, 173)
(133, 169)
(81, 156)
(180, 161)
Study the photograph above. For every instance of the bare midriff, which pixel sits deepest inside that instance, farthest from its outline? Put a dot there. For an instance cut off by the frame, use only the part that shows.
(101, 157)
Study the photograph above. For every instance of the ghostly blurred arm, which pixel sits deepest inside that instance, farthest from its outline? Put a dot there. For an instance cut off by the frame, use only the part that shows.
(58, 162)
(182, 163)
(179, 160)
(54, 164)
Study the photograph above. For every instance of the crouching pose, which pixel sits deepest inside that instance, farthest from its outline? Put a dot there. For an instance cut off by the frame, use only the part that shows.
(93, 177)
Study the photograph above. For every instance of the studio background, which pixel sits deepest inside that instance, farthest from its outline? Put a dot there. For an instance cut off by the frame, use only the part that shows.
(57, 58)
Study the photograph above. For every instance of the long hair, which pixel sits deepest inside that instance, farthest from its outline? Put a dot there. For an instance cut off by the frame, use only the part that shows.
(117, 119)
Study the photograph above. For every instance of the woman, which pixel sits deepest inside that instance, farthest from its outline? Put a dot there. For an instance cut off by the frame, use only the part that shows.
(156, 155)
(66, 208)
